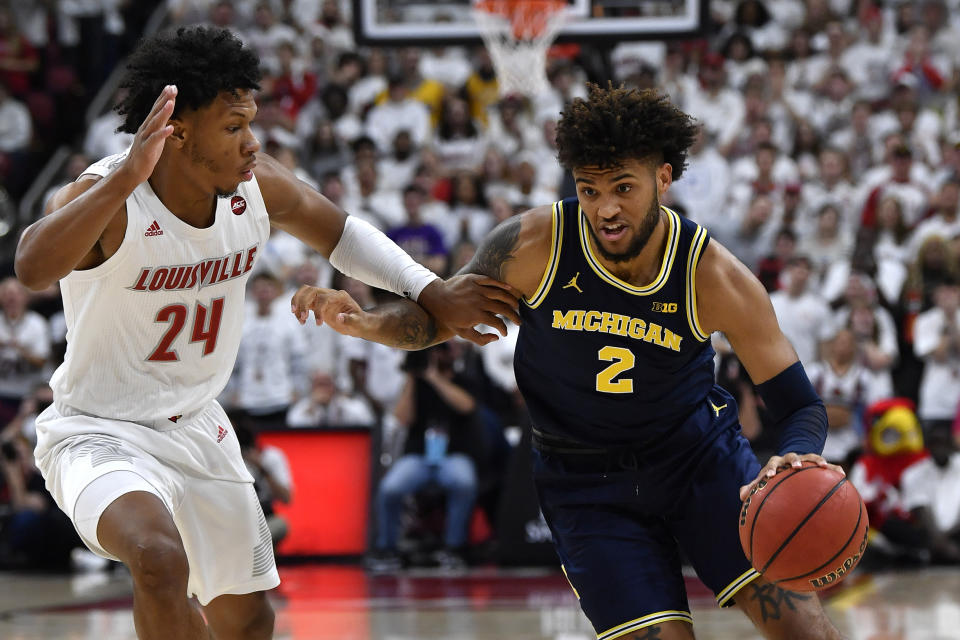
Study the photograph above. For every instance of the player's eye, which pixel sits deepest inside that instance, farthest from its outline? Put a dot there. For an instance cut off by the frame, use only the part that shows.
(587, 191)
(233, 129)
(624, 188)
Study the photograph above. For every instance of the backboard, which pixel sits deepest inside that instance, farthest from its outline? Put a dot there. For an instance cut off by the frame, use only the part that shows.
(444, 22)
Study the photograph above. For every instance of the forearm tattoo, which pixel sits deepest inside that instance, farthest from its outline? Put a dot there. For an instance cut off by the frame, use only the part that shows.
(496, 250)
(417, 331)
(650, 633)
(773, 599)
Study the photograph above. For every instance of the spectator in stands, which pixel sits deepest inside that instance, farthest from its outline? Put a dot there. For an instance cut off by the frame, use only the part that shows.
(399, 111)
(830, 186)
(771, 266)
(936, 340)
(459, 142)
(931, 491)
(327, 406)
(24, 347)
(935, 263)
(945, 222)
(383, 208)
(889, 248)
(18, 58)
(898, 178)
(437, 411)
(269, 370)
(421, 240)
(102, 137)
(709, 99)
(398, 169)
(846, 388)
(873, 326)
(270, 469)
(828, 243)
(16, 132)
(803, 315)
(34, 533)
(750, 237)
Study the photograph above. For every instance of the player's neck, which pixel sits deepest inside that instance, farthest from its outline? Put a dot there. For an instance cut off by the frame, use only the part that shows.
(645, 268)
(181, 193)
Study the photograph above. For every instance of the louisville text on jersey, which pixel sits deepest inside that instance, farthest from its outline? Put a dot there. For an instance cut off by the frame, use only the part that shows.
(616, 324)
(202, 274)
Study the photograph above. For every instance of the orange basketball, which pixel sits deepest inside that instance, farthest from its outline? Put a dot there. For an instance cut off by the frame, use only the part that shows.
(804, 529)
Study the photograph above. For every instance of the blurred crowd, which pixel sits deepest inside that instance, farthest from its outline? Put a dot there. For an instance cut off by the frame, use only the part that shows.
(828, 162)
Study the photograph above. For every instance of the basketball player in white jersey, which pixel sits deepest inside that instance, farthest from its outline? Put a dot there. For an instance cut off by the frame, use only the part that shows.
(153, 249)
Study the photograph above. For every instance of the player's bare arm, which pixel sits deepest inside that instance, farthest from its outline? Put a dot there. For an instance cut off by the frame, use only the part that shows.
(458, 304)
(515, 253)
(730, 299)
(84, 224)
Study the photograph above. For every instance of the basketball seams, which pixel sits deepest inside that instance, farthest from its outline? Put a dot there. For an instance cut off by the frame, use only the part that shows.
(756, 514)
(799, 526)
(843, 548)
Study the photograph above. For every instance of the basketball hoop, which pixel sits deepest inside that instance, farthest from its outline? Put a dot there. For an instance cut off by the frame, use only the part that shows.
(517, 33)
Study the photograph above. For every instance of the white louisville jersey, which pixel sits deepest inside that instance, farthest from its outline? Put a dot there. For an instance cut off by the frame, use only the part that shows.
(153, 332)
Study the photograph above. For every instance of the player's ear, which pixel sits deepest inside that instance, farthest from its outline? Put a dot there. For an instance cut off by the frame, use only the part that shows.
(664, 175)
(179, 135)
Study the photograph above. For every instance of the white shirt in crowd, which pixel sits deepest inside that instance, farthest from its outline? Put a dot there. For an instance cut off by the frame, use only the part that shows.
(805, 320)
(31, 332)
(940, 384)
(341, 411)
(270, 362)
(925, 484)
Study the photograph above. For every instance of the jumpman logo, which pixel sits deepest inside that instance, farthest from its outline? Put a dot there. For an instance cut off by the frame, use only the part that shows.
(573, 283)
(716, 408)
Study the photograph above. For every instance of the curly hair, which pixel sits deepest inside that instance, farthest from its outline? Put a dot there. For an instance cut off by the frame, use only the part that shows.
(200, 61)
(615, 124)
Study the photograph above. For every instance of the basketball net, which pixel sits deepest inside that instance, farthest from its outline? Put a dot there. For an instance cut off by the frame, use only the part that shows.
(517, 33)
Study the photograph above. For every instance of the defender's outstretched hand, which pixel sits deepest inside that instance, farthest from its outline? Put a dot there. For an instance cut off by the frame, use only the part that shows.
(464, 301)
(337, 308)
(782, 463)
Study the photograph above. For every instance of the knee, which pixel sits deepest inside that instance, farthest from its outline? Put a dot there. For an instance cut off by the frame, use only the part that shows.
(259, 626)
(158, 562)
(248, 623)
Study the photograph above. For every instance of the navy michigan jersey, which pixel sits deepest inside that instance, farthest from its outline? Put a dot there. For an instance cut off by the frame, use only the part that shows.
(606, 363)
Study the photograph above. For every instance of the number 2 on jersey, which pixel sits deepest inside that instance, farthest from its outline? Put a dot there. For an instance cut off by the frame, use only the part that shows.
(203, 331)
(623, 360)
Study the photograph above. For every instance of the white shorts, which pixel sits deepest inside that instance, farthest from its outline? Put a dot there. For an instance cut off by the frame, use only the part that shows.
(196, 469)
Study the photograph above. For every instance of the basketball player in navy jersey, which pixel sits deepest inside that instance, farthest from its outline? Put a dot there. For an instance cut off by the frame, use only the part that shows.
(152, 249)
(639, 455)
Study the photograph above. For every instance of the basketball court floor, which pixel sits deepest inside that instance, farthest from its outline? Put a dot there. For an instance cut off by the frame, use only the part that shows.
(342, 603)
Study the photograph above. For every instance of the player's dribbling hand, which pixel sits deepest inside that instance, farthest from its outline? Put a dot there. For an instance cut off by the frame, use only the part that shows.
(336, 308)
(151, 136)
(464, 301)
(781, 463)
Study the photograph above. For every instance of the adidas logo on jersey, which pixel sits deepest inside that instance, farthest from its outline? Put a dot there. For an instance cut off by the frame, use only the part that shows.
(221, 433)
(153, 230)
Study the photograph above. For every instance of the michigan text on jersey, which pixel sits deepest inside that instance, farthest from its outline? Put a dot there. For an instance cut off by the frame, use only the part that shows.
(616, 324)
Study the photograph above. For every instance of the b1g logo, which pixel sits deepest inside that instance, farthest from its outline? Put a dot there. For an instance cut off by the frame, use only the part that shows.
(238, 205)
(665, 307)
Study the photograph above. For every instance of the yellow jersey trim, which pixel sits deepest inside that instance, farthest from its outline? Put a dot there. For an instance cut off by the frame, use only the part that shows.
(646, 621)
(731, 589)
(575, 592)
(556, 240)
(673, 238)
(693, 259)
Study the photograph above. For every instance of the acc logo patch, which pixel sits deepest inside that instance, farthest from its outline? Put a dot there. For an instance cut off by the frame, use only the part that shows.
(238, 205)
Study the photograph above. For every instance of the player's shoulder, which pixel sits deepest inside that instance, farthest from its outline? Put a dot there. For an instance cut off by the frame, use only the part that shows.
(71, 191)
(278, 185)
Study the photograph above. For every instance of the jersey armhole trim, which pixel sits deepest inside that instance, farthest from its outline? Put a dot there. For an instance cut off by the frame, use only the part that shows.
(556, 240)
(693, 259)
(112, 263)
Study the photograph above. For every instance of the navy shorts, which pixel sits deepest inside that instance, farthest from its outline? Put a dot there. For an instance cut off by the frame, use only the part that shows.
(619, 526)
